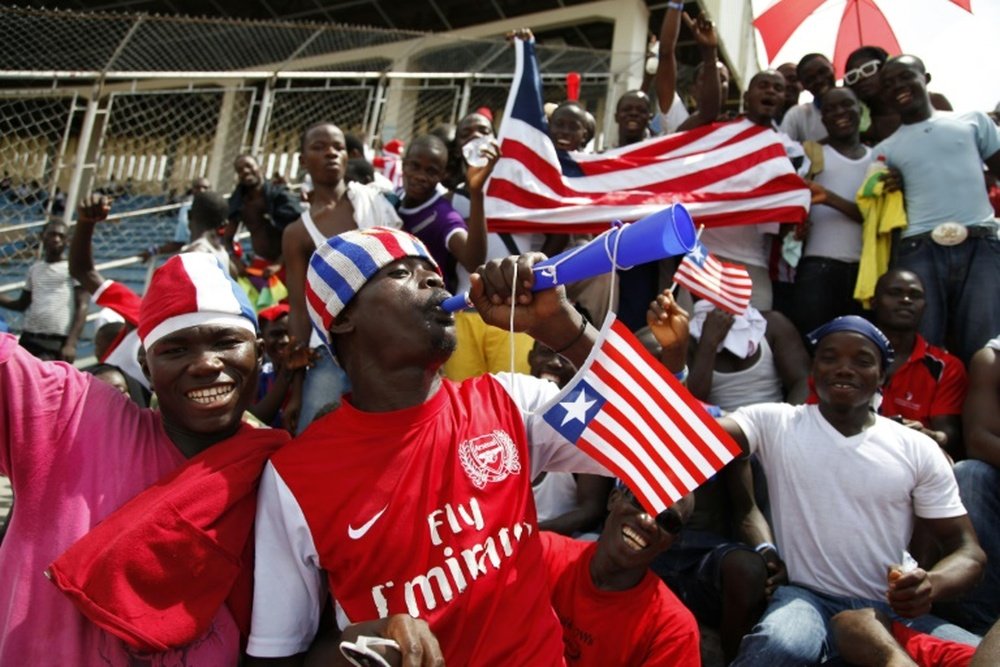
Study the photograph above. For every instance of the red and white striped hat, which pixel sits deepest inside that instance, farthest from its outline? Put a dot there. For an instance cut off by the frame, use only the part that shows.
(340, 268)
(192, 289)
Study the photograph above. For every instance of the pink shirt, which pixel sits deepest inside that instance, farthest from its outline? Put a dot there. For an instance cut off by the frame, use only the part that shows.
(75, 450)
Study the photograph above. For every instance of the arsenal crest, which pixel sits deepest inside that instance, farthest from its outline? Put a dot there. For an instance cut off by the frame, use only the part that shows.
(489, 458)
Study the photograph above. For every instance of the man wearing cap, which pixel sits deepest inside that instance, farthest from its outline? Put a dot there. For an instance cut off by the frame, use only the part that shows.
(413, 499)
(80, 457)
(846, 487)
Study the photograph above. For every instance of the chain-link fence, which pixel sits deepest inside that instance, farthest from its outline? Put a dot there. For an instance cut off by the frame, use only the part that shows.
(137, 106)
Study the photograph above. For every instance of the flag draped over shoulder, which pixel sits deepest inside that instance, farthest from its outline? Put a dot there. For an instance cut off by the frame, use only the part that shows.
(626, 411)
(725, 174)
(726, 285)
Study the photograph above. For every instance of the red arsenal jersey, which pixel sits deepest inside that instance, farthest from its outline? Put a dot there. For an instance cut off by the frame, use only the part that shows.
(426, 511)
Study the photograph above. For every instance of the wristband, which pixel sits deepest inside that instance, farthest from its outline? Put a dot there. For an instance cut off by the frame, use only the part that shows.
(682, 375)
(578, 336)
(679, 6)
(764, 546)
(153, 250)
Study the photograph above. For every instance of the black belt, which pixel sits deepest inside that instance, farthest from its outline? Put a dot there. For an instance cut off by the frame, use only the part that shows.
(43, 336)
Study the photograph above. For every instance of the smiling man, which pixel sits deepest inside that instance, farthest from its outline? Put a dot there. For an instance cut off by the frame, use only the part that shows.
(77, 450)
(846, 488)
(832, 251)
(413, 499)
(951, 237)
(613, 609)
(803, 122)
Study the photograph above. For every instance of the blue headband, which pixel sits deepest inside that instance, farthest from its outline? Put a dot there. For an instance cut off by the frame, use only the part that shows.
(858, 325)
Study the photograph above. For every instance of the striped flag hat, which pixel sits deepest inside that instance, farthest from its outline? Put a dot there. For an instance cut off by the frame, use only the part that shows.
(340, 268)
(192, 289)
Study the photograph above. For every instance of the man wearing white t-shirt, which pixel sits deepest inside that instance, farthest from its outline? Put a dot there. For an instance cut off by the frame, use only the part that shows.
(846, 489)
(829, 263)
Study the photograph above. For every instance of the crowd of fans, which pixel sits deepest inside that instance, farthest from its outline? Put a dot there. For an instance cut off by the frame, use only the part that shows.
(335, 468)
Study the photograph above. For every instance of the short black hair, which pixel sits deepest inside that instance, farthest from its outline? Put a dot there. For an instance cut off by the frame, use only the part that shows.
(53, 222)
(353, 143)
(764, 72)
(590, 123)
(313, 126)
(359, 170)
(209, 210)
(431, 141)
(805, 60)
(870, 52)
(641, 94)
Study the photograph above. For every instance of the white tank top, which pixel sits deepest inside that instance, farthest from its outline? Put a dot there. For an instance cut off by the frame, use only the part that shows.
(317, 236)
(758, 384)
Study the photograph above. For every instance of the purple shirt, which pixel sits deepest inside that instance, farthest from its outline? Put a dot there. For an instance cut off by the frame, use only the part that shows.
(433, 222)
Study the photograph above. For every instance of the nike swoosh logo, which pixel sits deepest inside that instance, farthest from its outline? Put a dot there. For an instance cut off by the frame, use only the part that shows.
(358, 533)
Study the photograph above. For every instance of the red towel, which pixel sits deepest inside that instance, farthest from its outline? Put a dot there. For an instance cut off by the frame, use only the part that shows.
(156, 571)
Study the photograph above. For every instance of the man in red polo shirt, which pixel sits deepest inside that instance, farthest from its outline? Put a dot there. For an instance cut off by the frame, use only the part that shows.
(926, 384)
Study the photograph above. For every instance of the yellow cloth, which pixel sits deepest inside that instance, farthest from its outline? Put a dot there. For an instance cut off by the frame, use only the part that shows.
(882, 213)
(482, 348)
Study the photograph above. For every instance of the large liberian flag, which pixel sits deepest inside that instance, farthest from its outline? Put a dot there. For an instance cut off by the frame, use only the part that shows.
(725, 174)
(631, 415)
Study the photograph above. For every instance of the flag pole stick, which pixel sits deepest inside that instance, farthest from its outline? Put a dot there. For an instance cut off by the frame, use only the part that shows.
(673, 284)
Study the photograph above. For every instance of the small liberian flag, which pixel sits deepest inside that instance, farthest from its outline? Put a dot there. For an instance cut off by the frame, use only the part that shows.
(734, 173)
(631, 415)
(726, 285)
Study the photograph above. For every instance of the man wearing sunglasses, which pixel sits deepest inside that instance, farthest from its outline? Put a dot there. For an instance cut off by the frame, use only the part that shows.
(613, 609)
(878, 119)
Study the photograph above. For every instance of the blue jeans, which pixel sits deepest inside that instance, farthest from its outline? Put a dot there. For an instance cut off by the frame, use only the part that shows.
(960, 282)
(795, 628)
(324, 384)
(979, 484)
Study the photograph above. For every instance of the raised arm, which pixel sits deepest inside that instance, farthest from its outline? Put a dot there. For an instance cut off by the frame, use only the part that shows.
(717, 325)
(666, 68)
(91, 211)
(710, 92)
(670, 326)
(81, 302)
(469, 248)
(546, 315)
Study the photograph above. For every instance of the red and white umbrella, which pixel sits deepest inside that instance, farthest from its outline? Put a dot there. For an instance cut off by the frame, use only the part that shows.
(955, 38)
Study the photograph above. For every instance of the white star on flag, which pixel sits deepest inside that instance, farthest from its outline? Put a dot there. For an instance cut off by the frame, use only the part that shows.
(631, 415)
(577, 409)
(696, 254)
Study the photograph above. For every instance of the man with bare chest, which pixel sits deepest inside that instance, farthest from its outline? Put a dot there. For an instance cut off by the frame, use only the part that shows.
(264, 209)
(335, 206)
